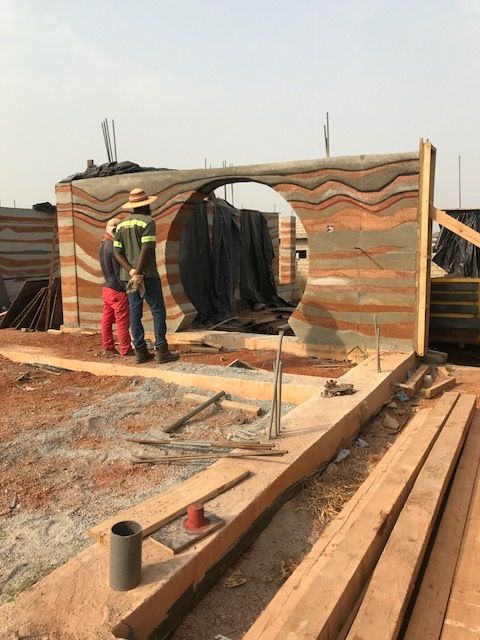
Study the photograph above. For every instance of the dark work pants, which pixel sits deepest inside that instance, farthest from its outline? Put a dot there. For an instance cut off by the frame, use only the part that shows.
(154, 298)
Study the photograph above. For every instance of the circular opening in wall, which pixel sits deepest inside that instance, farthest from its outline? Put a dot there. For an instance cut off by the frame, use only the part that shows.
(238, 258)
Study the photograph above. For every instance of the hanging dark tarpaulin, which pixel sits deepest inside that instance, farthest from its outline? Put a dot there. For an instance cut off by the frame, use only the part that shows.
(454, 254)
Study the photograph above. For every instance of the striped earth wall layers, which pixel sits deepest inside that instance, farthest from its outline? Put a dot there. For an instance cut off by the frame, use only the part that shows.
(360, 214)
(287, 260)
(25, 246)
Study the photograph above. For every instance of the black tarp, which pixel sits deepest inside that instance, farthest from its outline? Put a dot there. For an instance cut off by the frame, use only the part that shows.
(454, 254)
(110, 169)
(240, 254)
(257, 283)
(45, 207)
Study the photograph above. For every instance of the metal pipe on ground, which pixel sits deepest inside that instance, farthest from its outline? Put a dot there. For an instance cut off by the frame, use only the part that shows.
(218, 444)
(193, 412)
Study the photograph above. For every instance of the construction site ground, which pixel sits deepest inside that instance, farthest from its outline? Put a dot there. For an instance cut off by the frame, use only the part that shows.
(66, 466)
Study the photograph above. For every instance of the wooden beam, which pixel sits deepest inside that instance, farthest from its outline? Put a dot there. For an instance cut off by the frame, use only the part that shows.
(381, 614)
(165, 507)
(252, 409)
(424, 247)
(457, 227)
(438, 387)
(462, 619)
(431, 601)
(318, 597)
(415, 381)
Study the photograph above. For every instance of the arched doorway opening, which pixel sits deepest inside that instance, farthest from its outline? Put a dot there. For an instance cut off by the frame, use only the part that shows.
(236, 257)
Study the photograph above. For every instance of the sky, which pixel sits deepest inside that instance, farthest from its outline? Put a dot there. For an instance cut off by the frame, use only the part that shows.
(243, 82)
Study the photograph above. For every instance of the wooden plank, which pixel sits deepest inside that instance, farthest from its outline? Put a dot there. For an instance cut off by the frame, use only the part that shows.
(471, 309)
(168, 505)
(446, 284)
(50, 276)
(452, 322)
(431, 602)
(381, 614)
(317, 598)
(438, 387)
(56, 318)
(462, 619)
(415, 381)
(25, 317)
(453, 296)
(26, 293)
(457, 227)
(252, 409)
(37, 321)
(424, 247)
(174, 538)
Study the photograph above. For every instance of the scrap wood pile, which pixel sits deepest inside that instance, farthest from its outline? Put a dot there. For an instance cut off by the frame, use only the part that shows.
(37, 307)
(427, 381)
(192, 345)
(269, 320)
(400, 559)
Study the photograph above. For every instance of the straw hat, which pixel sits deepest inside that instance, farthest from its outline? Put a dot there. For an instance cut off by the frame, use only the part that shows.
(138, 198)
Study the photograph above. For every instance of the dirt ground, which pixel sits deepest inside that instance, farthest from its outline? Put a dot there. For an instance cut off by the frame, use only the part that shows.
(65, 463)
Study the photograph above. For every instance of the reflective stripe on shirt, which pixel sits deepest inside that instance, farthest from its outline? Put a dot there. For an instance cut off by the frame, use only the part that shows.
(129, 224)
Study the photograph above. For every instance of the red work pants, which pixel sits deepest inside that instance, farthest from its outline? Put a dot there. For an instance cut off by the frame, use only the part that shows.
(115, 311)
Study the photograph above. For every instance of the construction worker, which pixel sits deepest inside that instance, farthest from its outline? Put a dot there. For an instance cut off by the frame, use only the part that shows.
(115, 301)
(134, 248)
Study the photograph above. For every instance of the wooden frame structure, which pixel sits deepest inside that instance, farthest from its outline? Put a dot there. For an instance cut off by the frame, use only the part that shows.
(425, 207)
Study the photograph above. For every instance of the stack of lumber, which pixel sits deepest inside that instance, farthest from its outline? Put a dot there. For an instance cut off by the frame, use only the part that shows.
(400, 558)
(269, 320)
(415, 384)
(37, 307)
(197, 345)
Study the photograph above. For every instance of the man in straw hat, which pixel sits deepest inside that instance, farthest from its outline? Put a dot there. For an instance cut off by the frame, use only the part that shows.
(134, 248)
(115, 301)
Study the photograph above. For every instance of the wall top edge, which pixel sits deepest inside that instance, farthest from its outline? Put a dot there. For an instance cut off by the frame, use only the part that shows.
(355, 162)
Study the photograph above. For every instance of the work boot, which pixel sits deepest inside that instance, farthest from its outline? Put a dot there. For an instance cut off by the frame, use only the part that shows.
(162, 355)
(142, 354)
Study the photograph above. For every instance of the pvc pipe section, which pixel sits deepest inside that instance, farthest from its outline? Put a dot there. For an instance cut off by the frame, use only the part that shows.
(125, 555)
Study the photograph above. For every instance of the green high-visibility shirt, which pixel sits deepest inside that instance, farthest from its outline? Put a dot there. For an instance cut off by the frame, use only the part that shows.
(132, 234)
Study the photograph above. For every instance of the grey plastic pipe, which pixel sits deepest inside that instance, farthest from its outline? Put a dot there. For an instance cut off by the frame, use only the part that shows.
(125, 555)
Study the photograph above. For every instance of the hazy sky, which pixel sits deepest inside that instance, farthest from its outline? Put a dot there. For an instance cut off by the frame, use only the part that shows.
(246, 82)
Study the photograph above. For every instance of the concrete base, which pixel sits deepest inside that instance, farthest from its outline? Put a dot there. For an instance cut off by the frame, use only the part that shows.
(257, 386)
